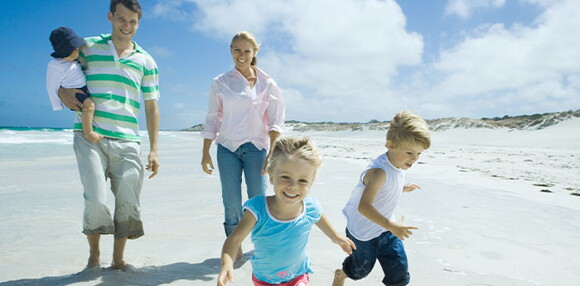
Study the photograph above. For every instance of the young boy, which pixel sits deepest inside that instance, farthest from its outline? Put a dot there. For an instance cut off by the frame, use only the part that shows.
(369, 211)
(64, 70)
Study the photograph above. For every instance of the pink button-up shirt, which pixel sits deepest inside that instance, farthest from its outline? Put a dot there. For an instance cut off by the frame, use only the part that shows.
(239, 114)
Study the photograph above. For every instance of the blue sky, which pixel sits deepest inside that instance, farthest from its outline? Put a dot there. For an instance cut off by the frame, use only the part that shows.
(335, 60)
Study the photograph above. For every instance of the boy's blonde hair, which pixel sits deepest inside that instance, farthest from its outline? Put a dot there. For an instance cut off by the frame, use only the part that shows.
(407, 127)
(297, 147)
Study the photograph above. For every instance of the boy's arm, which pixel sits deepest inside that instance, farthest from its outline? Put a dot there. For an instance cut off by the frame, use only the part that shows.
(152, 114)
(231, 246)
(344, 242)
(373, 180)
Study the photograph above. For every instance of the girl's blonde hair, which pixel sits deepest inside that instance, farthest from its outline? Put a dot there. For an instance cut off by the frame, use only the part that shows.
(245, 35)
(298, 147)
(407, 127)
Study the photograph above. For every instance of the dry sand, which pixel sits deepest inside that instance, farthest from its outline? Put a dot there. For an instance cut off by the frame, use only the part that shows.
(482, 216)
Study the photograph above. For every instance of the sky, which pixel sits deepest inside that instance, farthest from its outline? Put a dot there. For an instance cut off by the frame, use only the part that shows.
(334, 60)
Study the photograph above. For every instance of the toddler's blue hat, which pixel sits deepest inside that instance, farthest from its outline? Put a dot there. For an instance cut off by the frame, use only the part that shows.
(64, 41)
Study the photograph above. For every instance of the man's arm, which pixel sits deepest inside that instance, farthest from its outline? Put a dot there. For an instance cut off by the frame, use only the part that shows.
(69, 99)
(152, 114)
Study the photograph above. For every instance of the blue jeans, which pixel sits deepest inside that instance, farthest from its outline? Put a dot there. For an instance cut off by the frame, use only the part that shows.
(386, 248)
(246, 158)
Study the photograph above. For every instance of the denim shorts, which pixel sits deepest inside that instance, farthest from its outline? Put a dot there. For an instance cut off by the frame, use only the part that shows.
(390, 253)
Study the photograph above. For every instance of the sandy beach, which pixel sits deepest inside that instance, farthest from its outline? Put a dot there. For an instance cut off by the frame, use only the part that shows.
(497, 207)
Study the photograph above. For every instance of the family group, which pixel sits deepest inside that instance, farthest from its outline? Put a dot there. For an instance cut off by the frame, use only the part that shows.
(103, 80)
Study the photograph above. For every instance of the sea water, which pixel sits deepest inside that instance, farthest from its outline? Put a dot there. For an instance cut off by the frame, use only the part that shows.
(29, 143)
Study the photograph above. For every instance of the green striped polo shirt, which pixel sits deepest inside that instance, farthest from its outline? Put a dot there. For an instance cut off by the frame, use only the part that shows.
(116, 86)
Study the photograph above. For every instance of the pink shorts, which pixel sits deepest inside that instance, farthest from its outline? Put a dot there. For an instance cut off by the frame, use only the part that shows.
(301, 280)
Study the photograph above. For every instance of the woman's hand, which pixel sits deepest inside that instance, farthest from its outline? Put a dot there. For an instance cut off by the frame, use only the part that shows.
(206, 163)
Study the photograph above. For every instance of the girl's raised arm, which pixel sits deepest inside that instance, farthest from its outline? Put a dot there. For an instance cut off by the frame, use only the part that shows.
(344, 242)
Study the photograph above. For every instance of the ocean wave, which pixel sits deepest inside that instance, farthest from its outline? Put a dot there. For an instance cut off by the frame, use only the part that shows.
(40, 136)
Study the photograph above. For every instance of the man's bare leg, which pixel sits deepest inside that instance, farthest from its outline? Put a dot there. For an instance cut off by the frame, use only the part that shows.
(118, 251)
(339, 277)
(94, 251)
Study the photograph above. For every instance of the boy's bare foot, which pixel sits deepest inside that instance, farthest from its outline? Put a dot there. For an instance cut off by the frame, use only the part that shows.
(93, 137)
(339, 277)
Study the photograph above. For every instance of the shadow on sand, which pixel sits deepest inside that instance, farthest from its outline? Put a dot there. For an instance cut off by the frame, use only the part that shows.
(147, 275)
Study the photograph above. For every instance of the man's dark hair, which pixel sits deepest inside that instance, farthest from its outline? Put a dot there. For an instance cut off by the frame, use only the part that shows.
(132, 5)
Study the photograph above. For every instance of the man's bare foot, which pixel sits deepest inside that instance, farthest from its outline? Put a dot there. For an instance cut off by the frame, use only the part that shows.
(123, 266)
(93, 137)
(339, 277)
(93, 262)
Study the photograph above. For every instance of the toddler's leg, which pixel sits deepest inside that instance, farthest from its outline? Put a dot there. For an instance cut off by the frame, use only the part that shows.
(339, 278)
(87, 121)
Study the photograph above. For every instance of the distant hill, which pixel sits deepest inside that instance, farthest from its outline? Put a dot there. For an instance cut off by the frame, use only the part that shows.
(520, 122)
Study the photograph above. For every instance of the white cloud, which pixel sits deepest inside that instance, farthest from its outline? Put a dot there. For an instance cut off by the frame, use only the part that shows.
(341, 54)
(464, 8)
(340, 60)
(517, 69)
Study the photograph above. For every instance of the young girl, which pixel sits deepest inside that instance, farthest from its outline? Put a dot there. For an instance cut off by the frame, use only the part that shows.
(280, 224)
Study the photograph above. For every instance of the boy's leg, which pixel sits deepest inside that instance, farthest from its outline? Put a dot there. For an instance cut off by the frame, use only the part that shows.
(253, 160)
(230, 168)
(393, 260)
(361, 262)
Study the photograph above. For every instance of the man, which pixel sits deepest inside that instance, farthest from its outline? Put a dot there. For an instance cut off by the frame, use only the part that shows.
(118, 72)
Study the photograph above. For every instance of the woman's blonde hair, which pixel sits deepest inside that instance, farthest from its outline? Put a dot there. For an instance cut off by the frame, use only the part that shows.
(407, 127)
(298, 147)
(245, 35)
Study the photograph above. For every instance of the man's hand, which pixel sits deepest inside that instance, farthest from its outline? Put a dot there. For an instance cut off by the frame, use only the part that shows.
(153, 165)
(69, 99)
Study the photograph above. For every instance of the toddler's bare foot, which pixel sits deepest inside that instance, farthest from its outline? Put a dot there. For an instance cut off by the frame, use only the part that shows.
(93, 137)
(339, 277)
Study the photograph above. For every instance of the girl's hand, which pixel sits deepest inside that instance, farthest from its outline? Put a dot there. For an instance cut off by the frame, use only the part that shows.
(345, 243)
(410, 188)
(226, 275)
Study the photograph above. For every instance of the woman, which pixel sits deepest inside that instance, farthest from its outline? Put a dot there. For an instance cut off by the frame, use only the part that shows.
(245, 116)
